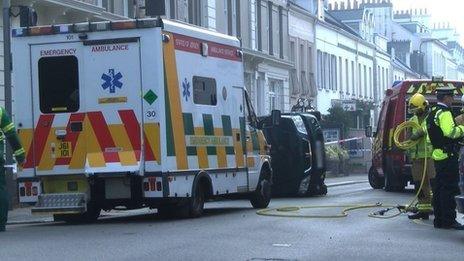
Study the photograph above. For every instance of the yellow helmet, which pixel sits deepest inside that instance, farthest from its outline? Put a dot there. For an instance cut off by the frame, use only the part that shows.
(417, 102)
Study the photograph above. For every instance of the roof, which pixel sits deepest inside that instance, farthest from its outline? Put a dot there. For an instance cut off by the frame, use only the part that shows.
(329, 18)
(344, 15)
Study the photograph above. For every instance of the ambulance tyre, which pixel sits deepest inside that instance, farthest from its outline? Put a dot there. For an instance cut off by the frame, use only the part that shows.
(197, 202)
(262, 195)
(375, 181)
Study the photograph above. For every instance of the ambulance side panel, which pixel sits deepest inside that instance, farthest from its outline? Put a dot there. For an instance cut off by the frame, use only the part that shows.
(205, 115)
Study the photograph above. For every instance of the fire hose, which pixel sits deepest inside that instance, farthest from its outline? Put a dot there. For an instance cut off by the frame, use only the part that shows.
(293, 211)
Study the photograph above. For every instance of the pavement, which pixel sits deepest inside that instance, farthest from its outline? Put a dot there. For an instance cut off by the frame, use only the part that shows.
(23, 215)
(231, 230)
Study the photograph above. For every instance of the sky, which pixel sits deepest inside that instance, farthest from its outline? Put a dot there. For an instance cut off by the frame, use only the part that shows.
(451, 11)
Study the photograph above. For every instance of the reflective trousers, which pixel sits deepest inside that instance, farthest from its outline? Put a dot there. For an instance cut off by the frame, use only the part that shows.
(424, 198)
(445, 188)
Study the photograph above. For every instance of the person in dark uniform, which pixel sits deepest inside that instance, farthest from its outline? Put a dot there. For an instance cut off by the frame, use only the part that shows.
(444, 135)
(7, 129)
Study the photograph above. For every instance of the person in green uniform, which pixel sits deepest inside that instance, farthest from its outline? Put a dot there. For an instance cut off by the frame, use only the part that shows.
(7, 130)
(445, 134)
(421, 154)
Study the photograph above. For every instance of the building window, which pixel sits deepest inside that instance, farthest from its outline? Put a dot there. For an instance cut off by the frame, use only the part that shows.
(340, 73)
(275, 95)
(172, 9)
(238, 24)
(259, 24)
(54, 96)
(334, 72)
(365, 81)
(253, 24)
(281, 33)
(353, 82)
(319, 69)
(204, 91)
(310, 60)
(359, 81)
(292, 51)
(387, 78)
(195, 12)
(230, 26)
(370, 83)
(270, 31)
(347, 80)
(301, 57)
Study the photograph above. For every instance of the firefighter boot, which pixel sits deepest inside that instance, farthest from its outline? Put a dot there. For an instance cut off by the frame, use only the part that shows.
(419, 215)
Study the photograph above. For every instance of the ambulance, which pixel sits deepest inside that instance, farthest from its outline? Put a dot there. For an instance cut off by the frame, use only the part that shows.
(132, 114)
(391, 167)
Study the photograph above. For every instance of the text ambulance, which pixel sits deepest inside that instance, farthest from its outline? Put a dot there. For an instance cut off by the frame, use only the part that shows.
(138, 113)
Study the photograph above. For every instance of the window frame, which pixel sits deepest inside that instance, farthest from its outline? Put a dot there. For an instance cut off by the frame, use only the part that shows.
(40, 89)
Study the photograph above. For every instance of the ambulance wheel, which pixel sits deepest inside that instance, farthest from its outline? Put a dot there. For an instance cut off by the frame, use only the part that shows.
(262, 195)
(375, 181)
(197, 202)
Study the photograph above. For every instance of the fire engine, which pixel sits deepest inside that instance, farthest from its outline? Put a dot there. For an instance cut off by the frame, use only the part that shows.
(137, 113)
(391, 168)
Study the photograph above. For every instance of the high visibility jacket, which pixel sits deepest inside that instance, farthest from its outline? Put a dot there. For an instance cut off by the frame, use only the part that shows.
(8, 130)
(444, 133)
(424, 148)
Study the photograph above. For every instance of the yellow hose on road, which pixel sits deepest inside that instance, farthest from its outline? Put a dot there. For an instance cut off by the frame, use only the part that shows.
(292, 211)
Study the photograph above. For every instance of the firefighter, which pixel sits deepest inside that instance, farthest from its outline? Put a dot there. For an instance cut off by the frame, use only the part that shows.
(420, 154)
(7, 130)
(444, 135)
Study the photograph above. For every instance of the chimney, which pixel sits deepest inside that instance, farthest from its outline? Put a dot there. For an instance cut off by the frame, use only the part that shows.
(330, 6)
(355, 4)
(336, 6)
(342, 5)
(320, 9)
(348, 5)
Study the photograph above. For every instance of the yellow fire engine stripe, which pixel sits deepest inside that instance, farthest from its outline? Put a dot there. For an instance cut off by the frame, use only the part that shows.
(152, 132)
(47, 161)
(201, 151)
(94, 153)
(238, 149)
(121, 140)
(220, 150)
(25, 135)
(174, 99)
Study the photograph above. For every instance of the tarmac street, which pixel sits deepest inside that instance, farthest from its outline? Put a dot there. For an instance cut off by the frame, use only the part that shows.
(231, 230)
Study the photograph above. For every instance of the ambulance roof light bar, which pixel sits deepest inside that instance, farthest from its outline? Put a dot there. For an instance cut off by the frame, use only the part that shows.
(87, 27)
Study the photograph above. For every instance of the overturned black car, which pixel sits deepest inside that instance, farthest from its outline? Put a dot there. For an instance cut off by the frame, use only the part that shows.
(298, 153)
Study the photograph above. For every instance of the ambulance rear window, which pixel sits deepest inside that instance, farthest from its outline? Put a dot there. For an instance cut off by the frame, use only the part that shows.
(59, 84)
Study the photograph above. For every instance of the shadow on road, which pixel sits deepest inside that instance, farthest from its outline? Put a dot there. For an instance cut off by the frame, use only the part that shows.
(124, 218)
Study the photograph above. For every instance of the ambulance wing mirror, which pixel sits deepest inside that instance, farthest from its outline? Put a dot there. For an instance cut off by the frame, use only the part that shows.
(276, 117)
(368, 132)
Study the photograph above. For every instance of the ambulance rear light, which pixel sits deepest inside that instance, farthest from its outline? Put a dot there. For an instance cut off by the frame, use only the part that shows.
(122, 25)
(81, 27)
(147, 23)
(41, 30)
(63, 29)
(100, 26)
(19, 32)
